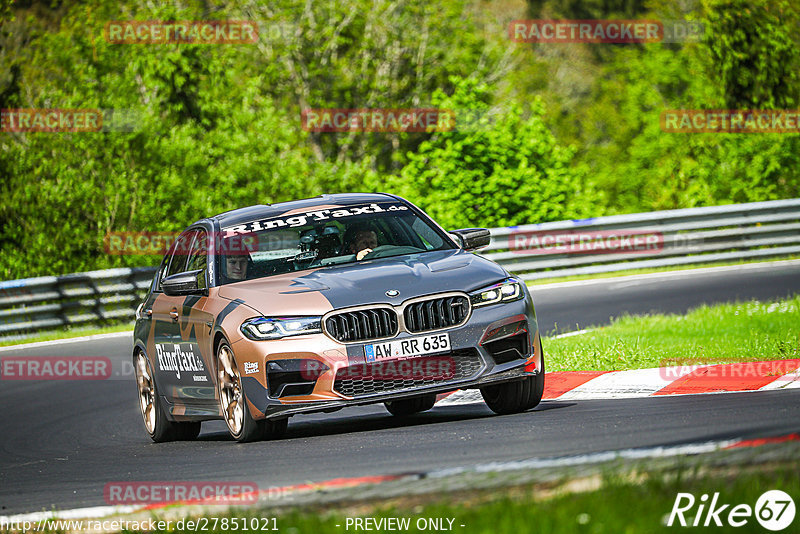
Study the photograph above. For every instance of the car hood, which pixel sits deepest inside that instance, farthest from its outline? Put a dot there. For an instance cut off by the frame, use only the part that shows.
(317, 291)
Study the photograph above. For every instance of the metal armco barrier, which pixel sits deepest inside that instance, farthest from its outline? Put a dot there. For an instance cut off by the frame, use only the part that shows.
(676, 237)
(563, 248)
(80, 299)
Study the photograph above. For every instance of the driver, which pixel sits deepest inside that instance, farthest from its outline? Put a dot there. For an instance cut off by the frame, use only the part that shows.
(361, 240)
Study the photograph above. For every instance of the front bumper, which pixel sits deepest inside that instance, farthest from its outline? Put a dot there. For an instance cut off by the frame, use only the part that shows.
(482, 335)
(278, 411)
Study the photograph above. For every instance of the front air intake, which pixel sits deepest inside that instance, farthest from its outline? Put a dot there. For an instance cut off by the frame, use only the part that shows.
(362, 325)
(436, 313)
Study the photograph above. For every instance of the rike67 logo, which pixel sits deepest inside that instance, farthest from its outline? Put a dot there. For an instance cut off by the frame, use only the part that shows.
(774, 510)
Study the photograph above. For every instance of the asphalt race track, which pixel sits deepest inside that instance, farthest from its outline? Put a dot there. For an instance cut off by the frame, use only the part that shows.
(62, 441)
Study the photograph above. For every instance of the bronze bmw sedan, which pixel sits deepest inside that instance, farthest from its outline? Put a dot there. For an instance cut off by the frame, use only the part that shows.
(265, 312)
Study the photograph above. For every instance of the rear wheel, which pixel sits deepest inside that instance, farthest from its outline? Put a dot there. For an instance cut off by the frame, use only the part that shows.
(233, 403)
(517, 396)
(406, 407)
(159, 428)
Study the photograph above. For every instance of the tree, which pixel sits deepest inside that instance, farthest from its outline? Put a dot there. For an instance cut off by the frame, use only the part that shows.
(502, 168)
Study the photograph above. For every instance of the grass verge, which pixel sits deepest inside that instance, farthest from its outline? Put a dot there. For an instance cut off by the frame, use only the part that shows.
(723, 333)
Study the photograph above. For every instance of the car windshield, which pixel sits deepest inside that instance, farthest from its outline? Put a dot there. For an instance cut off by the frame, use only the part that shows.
(323, 237)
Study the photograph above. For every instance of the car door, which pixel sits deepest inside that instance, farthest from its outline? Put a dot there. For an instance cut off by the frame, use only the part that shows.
(180, 368)
(196, 322)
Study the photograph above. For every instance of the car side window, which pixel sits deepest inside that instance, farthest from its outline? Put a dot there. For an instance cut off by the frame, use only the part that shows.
(180, 254)
(198, 258)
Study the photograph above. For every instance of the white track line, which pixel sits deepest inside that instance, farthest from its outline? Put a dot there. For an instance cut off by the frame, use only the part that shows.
(583, 459)
(575, 333)
(462, 397)
(787, 381)
(666, 274)
(38, 344)
(75, 513)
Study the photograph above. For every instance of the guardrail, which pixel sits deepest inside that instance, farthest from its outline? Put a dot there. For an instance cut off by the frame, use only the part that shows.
(51, 302)
(563, 248)
(676, 237)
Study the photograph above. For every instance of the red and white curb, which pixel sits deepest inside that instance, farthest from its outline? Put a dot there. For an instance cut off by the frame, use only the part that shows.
(660, 381)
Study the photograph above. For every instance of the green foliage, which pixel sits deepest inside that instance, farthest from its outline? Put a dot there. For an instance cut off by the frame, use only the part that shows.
(636, 166)
(500, 169)
(754, 52)
(568, 130)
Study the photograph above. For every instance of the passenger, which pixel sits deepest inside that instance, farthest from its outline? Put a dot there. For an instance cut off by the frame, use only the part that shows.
(236, 260)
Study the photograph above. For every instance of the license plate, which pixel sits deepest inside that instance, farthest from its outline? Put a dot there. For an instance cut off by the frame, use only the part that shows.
(402, 348)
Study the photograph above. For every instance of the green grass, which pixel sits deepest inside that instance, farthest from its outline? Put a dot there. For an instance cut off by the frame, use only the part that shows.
(615, 504)
(66, 334)
(650, 270)
(748, 331)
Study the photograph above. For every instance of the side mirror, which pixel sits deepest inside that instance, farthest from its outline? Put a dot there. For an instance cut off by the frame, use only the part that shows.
(472, 238)
(182, 284)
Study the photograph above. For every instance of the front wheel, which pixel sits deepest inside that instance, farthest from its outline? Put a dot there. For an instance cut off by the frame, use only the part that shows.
(517, 396)
(233, 403)
(406, 407)
(159, 428)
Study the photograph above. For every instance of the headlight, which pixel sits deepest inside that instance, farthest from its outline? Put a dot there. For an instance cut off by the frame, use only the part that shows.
(508, 290)
(259, 328)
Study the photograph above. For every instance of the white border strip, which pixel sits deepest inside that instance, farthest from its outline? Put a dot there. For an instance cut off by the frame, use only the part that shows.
(575, 333)
(75, 513)
(23, 346)
(667, 274)
(597, 457)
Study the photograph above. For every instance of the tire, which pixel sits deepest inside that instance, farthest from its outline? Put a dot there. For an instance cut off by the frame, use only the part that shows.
(273, 429)
(517, 396)
(154, 417)
(232, 399)
(406, 407)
